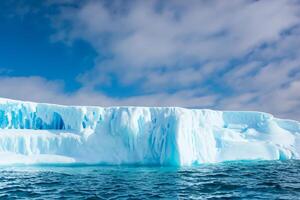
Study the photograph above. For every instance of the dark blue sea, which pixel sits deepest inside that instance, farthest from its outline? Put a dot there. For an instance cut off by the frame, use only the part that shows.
(232, 180)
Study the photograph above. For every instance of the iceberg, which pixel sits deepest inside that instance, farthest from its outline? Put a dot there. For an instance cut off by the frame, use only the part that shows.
(35, 133)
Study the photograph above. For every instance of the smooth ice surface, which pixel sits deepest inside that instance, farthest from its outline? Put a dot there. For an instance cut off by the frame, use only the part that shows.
(43, 133)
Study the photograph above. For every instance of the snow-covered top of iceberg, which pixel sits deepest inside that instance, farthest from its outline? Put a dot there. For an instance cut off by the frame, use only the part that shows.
(141, 135)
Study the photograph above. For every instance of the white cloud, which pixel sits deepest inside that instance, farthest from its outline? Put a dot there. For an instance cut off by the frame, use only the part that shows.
(238, 54)
(198, 31)
(273, 87)
(178, 45)
(173, 34)
(30, 88)
(281, 102)
(38, 89)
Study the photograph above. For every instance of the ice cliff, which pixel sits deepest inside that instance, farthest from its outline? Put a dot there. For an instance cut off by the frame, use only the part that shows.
(44, 133)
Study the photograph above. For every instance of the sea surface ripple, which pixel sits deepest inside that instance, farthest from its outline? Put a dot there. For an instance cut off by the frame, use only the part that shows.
(232, 180)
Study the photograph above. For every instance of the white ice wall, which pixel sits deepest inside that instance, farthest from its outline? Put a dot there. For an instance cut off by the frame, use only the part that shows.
(141, 135)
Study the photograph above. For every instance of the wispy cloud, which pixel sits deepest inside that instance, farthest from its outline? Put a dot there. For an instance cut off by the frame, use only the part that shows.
(39, 89)
(146, 36)
(238, 54)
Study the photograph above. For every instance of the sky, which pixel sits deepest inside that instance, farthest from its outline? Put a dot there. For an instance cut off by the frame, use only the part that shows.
(224, 55)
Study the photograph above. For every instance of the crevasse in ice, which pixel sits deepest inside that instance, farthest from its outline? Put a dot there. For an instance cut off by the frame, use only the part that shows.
(43, 133)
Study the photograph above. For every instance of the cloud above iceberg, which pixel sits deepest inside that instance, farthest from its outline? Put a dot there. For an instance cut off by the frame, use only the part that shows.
(155, 38)
(239, 54)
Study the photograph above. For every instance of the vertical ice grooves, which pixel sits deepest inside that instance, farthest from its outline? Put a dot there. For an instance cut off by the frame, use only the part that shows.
(164, 136)
(20, 120)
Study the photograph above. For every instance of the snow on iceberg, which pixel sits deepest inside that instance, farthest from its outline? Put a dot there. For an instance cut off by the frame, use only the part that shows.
(33, 133)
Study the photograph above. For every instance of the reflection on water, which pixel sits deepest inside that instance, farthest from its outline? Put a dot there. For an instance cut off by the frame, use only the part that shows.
(256, 180)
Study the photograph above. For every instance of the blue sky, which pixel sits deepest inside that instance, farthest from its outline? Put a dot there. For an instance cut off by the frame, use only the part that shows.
(228, 55)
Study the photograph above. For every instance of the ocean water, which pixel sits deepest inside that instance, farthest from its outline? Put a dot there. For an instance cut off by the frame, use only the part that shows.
(232, 180)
